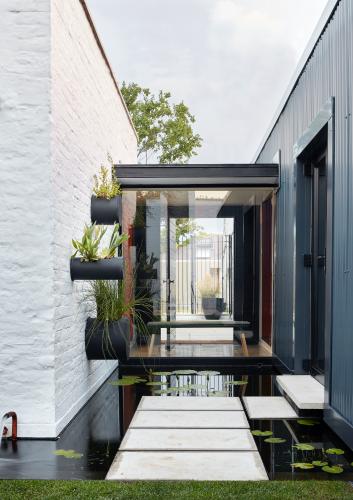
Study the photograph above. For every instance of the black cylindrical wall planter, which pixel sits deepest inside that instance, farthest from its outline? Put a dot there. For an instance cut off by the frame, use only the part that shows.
(107, 340)
(103, 269)
(105, 211)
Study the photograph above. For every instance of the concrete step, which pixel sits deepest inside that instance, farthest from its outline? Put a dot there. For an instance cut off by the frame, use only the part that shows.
(188, 440)
(180, 465)
(268, 408)
(175, 403)
(189, 420)
(303, 391)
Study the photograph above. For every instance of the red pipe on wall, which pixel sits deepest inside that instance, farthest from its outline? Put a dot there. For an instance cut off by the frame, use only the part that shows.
(13, 415)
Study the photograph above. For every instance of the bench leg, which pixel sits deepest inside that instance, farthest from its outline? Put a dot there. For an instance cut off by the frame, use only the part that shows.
(244, 345)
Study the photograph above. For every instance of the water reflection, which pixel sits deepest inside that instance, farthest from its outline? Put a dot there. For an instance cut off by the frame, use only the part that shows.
(97, 430)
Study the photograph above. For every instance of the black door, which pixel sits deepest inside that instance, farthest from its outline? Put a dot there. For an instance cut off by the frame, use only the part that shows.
(318, 270)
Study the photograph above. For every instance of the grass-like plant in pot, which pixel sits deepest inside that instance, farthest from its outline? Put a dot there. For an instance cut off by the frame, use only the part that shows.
(107, 335)
(89, 262)
(212, 304)
(106, 203)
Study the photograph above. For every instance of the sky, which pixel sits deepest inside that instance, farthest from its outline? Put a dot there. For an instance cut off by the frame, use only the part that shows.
(230, 61)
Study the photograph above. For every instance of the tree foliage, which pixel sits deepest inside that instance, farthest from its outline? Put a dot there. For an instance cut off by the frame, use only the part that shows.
(165, 130)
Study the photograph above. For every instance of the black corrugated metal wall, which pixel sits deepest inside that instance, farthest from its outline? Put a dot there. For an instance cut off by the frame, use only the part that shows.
(327, 74)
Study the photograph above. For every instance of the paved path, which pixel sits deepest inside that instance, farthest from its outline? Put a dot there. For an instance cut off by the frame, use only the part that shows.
(188, 438)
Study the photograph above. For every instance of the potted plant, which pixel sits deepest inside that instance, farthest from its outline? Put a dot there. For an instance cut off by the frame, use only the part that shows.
(89, 263)
(145, 269)
(107, 336)
(212, 304)
(106, 206)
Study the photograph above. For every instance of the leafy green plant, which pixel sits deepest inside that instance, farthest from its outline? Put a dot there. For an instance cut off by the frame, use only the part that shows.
(116, 240)
(333, 469)
(88, 248)
(112, 304)
(106, 184)
(334, 451)
(208, 288)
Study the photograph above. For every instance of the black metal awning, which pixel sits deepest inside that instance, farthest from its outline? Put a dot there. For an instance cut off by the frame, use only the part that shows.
(207, 175)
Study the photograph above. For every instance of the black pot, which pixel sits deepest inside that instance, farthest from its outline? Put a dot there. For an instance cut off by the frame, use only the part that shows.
(103, 269)
(107, 340)
(147, 275)
(212, 307)
(105, 211)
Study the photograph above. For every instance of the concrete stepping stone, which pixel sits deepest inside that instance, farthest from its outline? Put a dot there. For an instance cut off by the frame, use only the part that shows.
(179, 465)
(190, 419)
(188, 440)
(305, 392)
(189, 403)
(268, 407)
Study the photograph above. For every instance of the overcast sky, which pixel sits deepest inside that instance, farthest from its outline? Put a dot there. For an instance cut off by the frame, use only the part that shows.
(229, 60)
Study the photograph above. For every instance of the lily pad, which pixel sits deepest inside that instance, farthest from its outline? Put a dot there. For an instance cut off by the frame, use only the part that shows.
(162, 374)
(197, 386)
(318, 463)
(127, 381)
(308, 422)
(218, 394)
(209, 373)
(68, 454)
(184, 372)
(334, 451)
(236, 382)
(156, 383)
(160, 392)
(334, 469)
(274, 440)
(257, 432)
(304, 447)
(302, 465)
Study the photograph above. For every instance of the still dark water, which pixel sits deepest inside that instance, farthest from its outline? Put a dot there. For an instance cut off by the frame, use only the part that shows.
(97, 430)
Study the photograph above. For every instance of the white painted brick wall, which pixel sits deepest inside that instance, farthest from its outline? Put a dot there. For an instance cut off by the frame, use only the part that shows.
(59, 115)
(88, 121)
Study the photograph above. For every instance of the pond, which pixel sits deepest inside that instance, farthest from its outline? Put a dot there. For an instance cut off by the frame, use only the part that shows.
(95, 434)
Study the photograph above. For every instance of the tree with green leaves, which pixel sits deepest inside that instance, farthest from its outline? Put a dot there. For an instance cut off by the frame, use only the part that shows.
(165, 130)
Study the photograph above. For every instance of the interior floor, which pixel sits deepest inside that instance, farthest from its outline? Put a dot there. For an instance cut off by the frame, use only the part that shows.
(200, 350)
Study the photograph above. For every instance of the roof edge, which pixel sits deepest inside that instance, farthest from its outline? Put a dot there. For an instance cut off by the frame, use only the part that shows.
(303, 61)
(106, 60)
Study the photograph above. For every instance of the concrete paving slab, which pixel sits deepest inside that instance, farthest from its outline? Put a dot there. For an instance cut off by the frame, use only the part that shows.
(268, 407)
(305, 392)
(190, 419)
(188, 440)
(189, 403)
(179, 465)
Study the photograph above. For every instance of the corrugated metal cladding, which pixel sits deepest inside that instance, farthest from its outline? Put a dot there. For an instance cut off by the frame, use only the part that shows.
(328, 74)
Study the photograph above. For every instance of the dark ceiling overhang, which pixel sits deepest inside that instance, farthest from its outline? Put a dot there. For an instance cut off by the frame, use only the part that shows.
(197, 175)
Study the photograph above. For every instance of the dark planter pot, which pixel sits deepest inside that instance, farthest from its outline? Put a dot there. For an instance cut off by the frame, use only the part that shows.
(109, 340)
(147, 275)
(105, 211)
(103, 269)
(212, 307)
